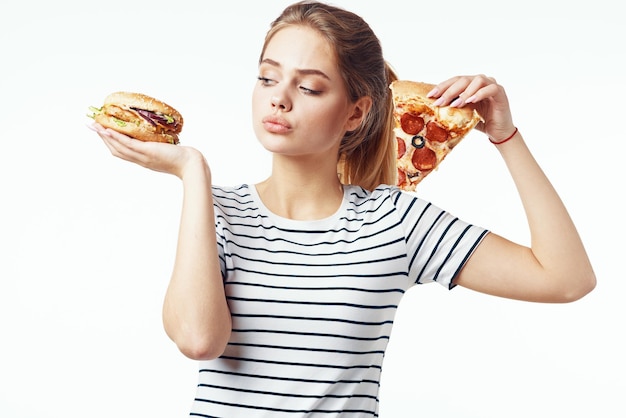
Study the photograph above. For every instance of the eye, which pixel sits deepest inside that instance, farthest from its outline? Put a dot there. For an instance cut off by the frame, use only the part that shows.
(306, 90)
(266, 81)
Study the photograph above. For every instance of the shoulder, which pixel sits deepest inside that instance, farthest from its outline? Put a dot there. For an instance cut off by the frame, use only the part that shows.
(232, 197)
(240, 188)
(359, 194)
(383, 193)
(388, 200)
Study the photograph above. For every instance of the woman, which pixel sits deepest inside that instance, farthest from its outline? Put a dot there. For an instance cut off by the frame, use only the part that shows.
(286, 290)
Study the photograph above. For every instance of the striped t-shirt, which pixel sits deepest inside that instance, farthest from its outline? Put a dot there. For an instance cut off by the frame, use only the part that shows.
(313, 302)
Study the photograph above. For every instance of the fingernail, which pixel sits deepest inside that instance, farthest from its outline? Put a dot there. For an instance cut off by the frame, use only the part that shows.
(471, 99)
(90, 126)
(457, 102)
(433, 92)
(438, 102)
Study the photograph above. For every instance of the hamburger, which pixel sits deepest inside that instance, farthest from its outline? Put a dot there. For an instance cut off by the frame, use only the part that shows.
(139, 116)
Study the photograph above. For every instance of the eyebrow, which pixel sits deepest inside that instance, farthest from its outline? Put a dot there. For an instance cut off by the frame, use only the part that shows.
(305, 71)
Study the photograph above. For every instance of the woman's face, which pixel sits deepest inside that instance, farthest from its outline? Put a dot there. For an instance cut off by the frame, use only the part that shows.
(300, 106)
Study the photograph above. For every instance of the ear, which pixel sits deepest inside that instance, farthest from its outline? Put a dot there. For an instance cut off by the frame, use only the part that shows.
(360, 109)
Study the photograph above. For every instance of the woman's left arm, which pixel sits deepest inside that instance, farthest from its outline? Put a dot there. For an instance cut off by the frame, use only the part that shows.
(555, 268)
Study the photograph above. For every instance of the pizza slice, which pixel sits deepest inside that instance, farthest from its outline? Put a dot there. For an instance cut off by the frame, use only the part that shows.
(425, 134)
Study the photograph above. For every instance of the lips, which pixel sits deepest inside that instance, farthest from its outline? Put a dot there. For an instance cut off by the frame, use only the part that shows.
(275, 124)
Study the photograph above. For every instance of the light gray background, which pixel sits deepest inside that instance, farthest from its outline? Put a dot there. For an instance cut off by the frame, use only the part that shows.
(87, 241)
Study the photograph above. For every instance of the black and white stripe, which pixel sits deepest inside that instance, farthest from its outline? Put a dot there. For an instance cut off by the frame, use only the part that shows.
(313, 302)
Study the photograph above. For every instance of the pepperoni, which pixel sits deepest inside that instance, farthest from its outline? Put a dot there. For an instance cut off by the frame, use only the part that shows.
(411, 123)
(401, 147)
(424, 159)
(435, 132)
(401, 178)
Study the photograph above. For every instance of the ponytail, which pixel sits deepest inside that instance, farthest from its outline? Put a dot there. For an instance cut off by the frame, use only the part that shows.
(372, 162)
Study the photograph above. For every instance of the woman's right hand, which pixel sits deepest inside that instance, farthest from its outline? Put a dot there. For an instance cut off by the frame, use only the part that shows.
(162, 157)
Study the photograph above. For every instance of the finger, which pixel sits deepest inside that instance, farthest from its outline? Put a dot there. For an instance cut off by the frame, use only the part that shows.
(467, 88)
(108, 141)
(124, 147)
(461, 90)
(94, 126)
(480, 89)
(104, 135)
(448, 91)
(439, 90)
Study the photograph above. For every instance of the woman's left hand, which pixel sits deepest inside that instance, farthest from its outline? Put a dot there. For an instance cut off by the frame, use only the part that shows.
(483, 94)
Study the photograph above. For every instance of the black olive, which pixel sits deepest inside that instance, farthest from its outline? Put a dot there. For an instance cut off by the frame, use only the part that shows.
(418, 141)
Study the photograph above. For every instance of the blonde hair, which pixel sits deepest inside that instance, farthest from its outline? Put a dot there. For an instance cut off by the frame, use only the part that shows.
(367, 155)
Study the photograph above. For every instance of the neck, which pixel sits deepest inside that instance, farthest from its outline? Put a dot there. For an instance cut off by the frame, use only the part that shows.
(302, 192)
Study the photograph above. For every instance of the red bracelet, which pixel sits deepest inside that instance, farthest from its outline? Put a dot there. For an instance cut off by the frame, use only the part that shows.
(504, 140)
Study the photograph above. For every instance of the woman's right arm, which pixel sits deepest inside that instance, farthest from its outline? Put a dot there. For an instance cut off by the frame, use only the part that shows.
(195, 313)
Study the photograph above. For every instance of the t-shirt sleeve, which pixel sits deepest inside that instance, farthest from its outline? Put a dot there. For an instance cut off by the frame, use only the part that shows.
(220, 220)
(438, 243)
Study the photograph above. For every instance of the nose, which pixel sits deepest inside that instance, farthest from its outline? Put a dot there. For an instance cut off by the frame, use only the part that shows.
(281, 102)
